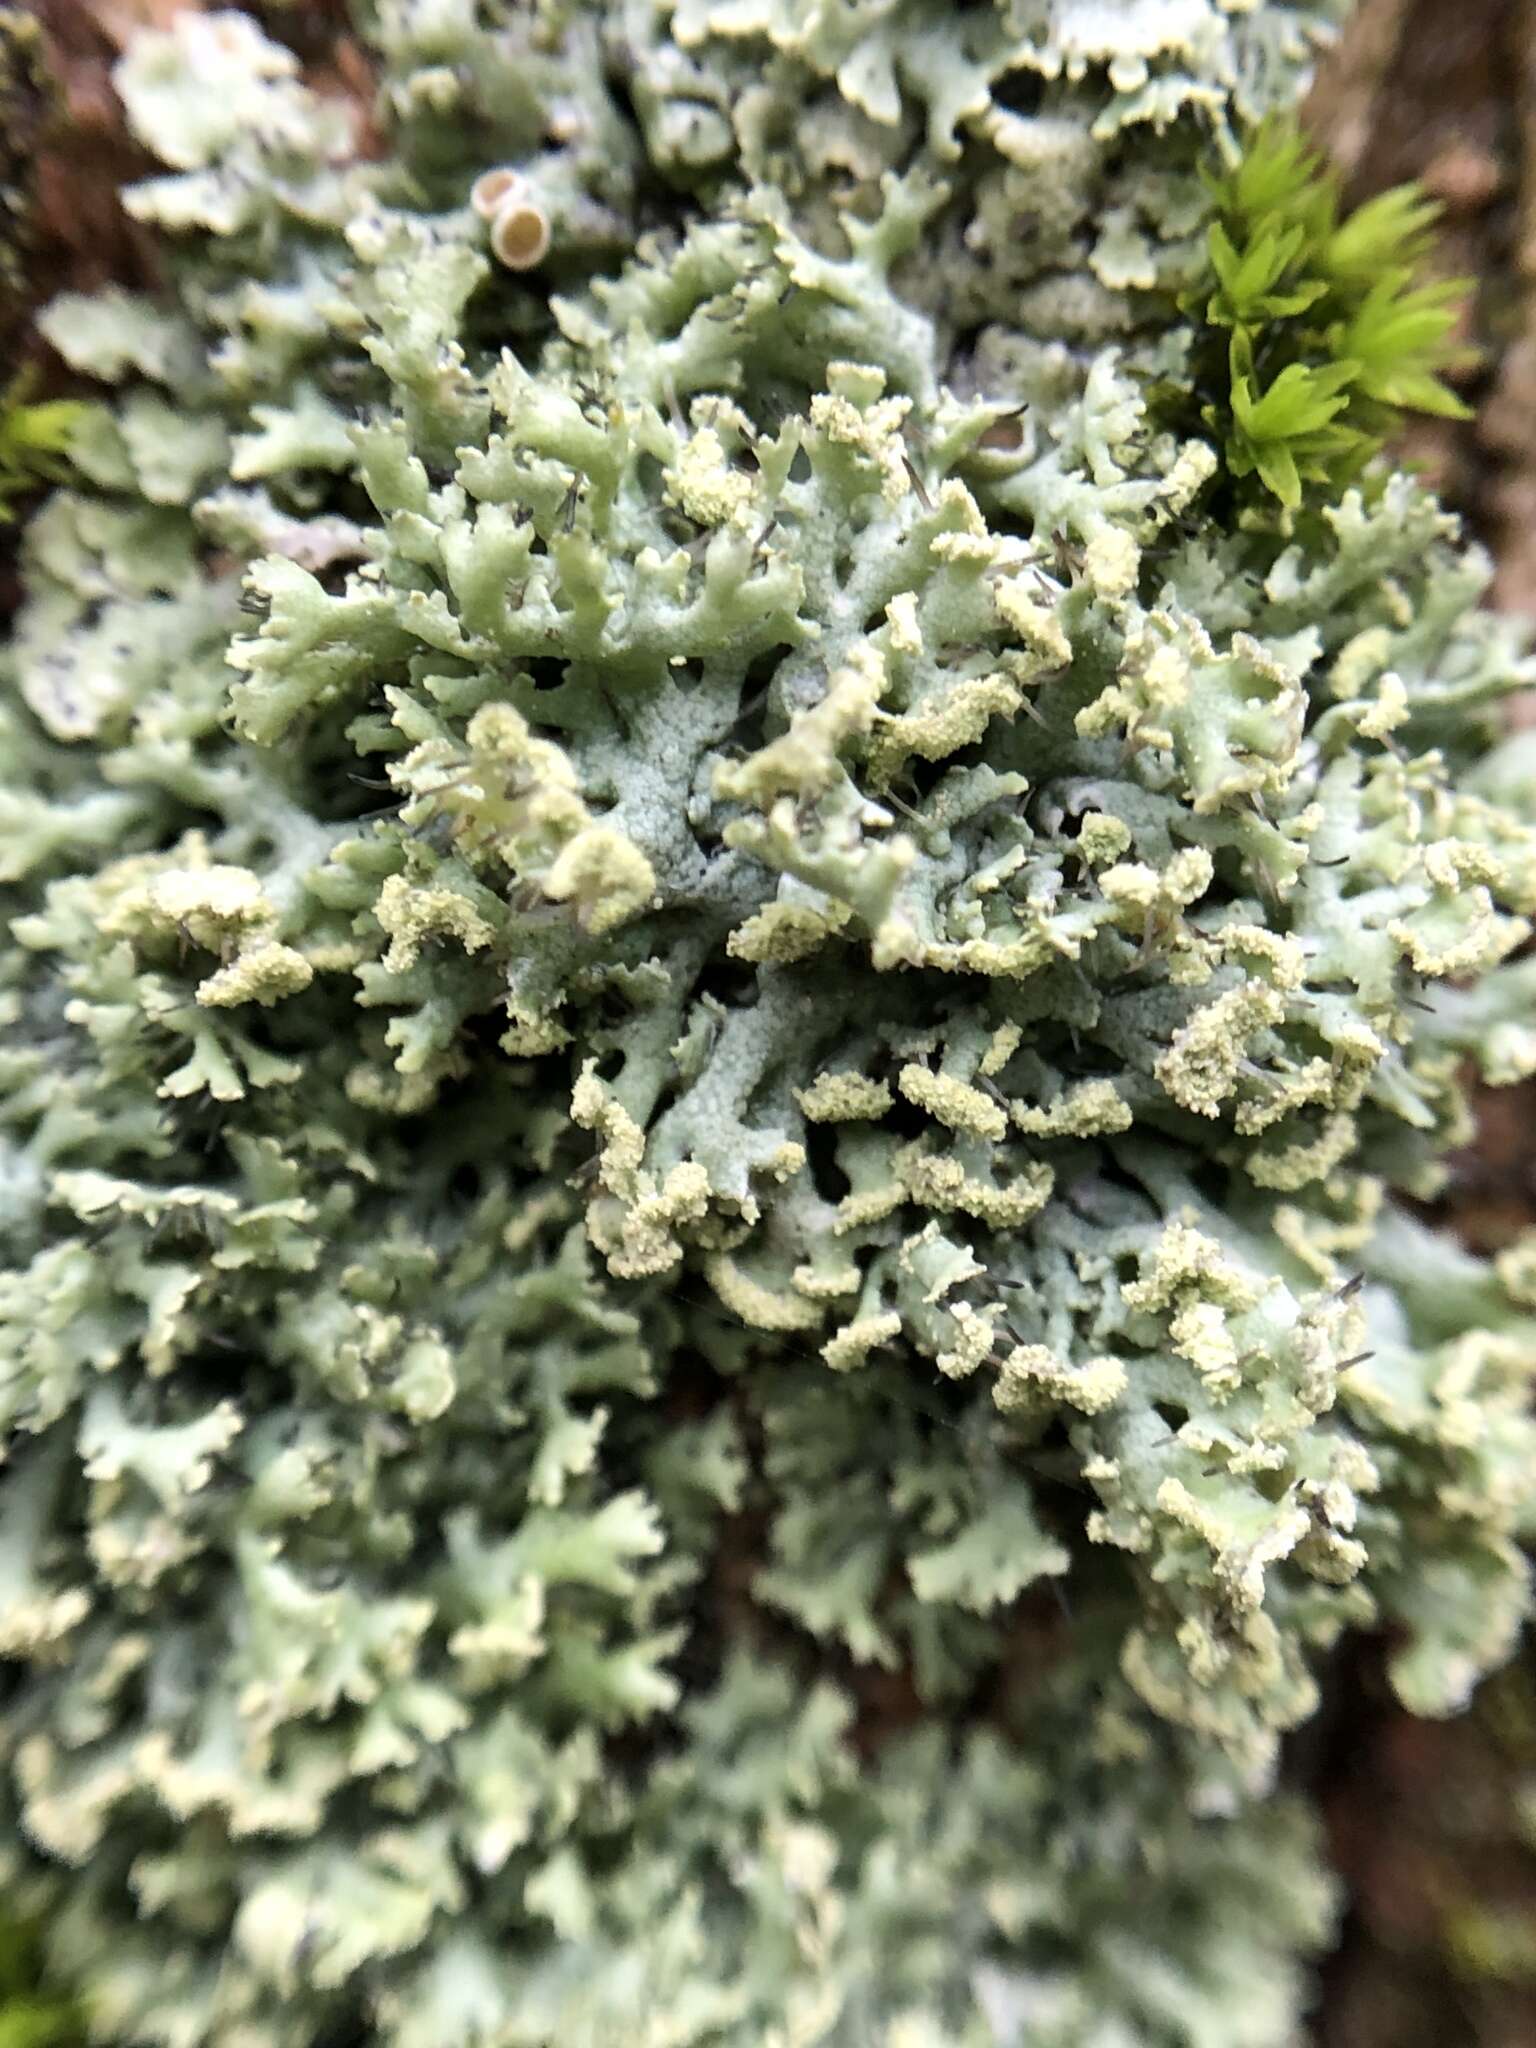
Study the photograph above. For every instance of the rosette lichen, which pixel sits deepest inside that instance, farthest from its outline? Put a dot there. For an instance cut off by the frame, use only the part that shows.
(717, 1033)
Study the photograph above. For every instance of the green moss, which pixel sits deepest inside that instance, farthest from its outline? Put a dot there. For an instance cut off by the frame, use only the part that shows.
(1317, 334)
(32, 2013)
(34, 439)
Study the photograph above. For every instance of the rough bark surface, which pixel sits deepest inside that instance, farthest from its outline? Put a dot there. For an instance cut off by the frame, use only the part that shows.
(1434, 1826)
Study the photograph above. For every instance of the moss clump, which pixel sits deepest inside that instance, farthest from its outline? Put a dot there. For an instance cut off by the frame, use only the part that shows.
(32, 2013)
(34, 442)
(1318, 332)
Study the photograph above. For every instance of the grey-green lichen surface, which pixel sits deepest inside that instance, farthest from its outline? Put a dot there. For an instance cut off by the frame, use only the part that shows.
(716, 1035)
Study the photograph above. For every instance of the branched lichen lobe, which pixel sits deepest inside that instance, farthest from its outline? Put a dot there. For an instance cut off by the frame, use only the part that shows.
(684, 1014)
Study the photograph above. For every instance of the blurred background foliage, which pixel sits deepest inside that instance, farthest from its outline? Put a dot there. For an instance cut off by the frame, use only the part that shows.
(1434, 1825)
(31, 2014)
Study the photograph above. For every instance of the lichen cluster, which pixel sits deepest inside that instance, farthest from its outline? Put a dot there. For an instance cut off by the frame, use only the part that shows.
(716, 1030)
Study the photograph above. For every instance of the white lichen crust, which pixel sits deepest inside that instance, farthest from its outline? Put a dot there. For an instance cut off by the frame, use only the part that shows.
(715, 1037)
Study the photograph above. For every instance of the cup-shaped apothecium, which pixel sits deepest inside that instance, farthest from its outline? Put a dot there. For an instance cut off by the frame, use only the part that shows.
(520, 233)
(492, 189)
